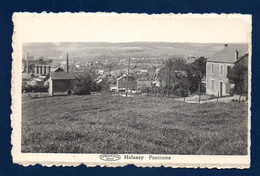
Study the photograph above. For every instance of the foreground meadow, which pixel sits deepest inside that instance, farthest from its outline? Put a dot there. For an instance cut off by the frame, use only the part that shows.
(147, 125)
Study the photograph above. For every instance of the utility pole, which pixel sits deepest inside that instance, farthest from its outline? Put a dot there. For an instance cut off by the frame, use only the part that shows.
(199, 92)
(170, 63)
(128, 70)
(200, 77)
(74, 65)
(27, 63)
(67, 63)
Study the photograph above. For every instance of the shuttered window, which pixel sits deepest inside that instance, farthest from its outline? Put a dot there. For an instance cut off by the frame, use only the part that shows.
(212, 84)
(221, 70)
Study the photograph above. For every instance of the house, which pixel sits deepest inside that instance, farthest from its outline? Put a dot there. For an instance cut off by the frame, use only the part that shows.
(126, 82)
(113, 88)
(157, 83)
(144, 84)
(61, 82)
(217, 67)
(57, 69)
(35, 81)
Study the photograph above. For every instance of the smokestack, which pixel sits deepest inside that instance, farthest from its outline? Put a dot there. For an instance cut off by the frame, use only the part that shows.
(27, 63)
(236, 55)
(67, 64)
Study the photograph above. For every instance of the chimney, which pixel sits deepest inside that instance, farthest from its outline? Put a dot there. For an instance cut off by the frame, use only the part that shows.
(236, 55)
(27, 63)
(67, 63)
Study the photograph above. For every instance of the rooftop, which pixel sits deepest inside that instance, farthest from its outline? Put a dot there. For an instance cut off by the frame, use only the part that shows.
(227, 54)
(125, 76)
(64, 75)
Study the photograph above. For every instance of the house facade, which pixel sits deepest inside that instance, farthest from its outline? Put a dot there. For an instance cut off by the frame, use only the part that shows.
(126, 82)
(61, 82)
(218, 66)
(216, 80)
(144, 84)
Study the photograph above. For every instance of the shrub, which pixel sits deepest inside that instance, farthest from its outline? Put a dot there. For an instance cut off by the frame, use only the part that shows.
(238, 75)
(34, 88)
(84, 85)
(181, 92)
(146, 90)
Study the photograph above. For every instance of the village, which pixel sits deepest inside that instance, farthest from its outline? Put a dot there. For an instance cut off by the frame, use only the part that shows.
(137, 105)
(142, 76)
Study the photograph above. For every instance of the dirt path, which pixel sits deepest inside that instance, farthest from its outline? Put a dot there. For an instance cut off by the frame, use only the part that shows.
(222, 99)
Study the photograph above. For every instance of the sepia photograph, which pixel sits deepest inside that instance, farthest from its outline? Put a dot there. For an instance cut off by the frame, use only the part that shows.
(141, 98)
(107, 89)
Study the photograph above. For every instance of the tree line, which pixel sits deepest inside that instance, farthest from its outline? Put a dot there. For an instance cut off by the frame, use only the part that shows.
(181, 78)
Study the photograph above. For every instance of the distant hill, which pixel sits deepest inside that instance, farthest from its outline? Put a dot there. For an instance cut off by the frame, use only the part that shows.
(95, 51)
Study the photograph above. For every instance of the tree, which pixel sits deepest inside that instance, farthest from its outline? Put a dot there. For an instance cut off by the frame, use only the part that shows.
(84, 85)
(238, 76)
(195, 72)
(171, 71)
(185, 75)
(103, 86)
(181, 92)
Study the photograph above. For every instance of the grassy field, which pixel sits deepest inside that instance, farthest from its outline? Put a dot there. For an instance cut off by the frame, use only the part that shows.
(112, 124)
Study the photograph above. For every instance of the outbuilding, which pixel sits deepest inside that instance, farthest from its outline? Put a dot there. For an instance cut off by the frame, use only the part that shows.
(126, 82)
(60, 83)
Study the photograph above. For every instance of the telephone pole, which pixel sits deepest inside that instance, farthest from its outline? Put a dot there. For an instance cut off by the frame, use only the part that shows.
(170, 65)
(128, 70)
(67, 63)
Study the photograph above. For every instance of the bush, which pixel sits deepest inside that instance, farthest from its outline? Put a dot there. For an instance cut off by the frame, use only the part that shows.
(181, 92)
(232, 89)
(146, 90)
(36, 88)
(238, 75)
(84, 85)
(40, 88)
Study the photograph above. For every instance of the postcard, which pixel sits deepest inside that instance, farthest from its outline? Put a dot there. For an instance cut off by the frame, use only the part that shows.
(108, 89)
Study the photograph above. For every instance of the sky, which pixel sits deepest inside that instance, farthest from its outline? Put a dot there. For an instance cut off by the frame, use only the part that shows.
(97, 50)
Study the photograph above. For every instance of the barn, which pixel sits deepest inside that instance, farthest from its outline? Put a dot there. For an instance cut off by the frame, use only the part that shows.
(126, 82)
(60, 82)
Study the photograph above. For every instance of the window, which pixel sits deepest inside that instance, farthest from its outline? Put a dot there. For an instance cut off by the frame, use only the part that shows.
(221, 69)
(212, 68)
(212, 84)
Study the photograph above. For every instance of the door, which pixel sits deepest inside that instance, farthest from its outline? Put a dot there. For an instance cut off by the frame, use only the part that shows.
(220, 89)
(228, 88)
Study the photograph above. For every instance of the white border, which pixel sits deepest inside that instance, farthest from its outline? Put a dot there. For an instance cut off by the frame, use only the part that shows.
(112, 27)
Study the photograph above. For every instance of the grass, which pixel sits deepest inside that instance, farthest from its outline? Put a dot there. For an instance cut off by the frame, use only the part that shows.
(141, 125)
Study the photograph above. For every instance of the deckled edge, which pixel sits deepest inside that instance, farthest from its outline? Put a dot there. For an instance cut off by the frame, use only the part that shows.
(107, 164)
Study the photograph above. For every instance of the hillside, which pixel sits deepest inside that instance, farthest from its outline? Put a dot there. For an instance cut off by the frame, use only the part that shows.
(145, 125)
(94, 51)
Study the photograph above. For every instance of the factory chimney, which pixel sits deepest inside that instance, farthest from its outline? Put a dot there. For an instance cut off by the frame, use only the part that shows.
(236, 55)
(67, 63)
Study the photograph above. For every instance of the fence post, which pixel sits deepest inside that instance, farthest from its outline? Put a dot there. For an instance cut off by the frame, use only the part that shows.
(199, 93)
(217, 96)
